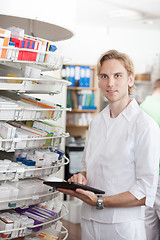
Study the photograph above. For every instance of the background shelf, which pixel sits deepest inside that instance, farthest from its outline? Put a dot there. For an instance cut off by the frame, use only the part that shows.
(83, 96)
(77, 126)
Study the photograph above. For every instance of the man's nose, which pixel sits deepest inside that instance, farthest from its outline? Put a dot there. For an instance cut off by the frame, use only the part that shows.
(110, 81)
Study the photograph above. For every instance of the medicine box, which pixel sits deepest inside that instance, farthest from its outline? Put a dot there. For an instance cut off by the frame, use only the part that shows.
(5, 224)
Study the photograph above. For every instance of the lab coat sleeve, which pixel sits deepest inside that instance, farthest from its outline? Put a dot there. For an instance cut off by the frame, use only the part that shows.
(147, 156)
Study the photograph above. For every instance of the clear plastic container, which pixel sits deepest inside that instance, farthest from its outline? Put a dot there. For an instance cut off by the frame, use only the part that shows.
(24, 154)
(30, 156)
(29, 164)
(5, 196)
(39, 158)
(20, 171)
(51, 159)
(4, 166)
(13, 166)
(48, 158)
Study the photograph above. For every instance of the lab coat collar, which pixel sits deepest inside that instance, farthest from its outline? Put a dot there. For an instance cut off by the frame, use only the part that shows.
(131, 110)
(128, 112)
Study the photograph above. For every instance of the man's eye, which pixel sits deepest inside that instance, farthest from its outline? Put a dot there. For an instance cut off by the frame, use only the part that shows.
(118, 75)
(103, 76)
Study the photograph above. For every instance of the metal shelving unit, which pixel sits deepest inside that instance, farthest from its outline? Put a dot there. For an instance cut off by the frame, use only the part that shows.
(42, 85)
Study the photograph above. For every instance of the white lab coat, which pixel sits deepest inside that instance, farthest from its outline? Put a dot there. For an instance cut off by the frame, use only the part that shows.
(122, 154)
(152, 218)
(132, 230)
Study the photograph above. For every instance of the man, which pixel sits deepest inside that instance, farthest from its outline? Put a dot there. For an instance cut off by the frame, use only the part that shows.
(121, 157)
(151, 106)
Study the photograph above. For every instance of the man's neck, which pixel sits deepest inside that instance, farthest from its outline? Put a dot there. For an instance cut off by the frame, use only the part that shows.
(117, 108)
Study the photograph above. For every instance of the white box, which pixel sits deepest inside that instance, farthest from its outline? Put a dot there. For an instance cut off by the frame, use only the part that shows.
(5, 224)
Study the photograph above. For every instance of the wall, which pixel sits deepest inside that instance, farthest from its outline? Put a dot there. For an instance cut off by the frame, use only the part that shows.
(93, 33)
(90, 41)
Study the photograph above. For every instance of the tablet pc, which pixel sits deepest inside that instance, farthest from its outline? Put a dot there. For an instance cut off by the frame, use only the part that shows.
(73, 186)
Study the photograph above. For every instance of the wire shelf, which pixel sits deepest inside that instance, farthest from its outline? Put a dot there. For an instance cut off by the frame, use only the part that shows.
(16, 173)
(12, 147)
(63, 212)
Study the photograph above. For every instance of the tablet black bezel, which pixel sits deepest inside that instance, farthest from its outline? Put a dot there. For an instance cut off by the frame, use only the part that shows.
(73, 186)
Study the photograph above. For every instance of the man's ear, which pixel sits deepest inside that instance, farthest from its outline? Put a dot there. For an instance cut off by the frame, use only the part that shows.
(131, 80)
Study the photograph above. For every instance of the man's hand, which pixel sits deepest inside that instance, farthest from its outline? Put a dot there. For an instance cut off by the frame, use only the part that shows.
(79, 178)
(86, 196)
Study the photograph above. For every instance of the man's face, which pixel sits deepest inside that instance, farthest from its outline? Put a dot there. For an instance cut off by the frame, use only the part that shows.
(114, 80)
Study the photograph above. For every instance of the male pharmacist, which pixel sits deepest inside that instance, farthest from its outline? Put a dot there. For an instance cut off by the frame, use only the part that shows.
(151, 106)
(121, 157)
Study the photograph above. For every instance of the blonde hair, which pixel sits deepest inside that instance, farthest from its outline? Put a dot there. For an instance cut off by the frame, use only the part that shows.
(114, 54)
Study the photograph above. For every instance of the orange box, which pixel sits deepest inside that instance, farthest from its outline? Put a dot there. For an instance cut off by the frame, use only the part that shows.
(4, 41)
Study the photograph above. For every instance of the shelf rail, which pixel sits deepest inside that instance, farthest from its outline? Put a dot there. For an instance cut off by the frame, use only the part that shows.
(41, 87)
(64, 232)
(33, 197)
(37, 169)
(40, 79)
(20, 112)
(57, 58)
(32, 139)
(17, 140)
(64, 211)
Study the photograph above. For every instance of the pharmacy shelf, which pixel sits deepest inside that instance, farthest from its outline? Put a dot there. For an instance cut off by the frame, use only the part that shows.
(41, 85)
(21, 84)
(43, 66)
(42, 79)
(12, 148)
(22, 64)
(30, 199)
(20, 114)
(63, 231)
(27, 87)
(57, 60)
(34, 88)
(44, 225)
(38, 171)
(64, 211)
(56, 113)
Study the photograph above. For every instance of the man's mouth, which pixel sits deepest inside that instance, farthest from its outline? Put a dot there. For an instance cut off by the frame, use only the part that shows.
(111, 91)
